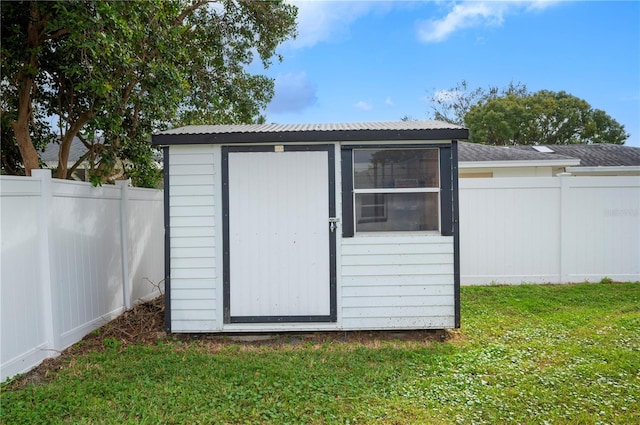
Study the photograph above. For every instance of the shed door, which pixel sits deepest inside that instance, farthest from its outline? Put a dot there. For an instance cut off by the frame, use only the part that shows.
(279, 247)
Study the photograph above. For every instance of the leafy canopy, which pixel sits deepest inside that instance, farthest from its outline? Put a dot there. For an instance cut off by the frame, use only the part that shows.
(513, 115)
(112, 72)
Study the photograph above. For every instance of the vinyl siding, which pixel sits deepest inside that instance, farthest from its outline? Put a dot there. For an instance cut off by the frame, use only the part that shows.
(192, 211)
(397, 282)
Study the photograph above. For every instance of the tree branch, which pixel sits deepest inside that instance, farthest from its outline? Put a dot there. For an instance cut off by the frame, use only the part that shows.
(91, 151)
(188, 11)
(65, 144)
(56, 34)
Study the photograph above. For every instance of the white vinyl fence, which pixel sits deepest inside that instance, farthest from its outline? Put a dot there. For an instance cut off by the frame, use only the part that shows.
(73, 257)
(549, 229)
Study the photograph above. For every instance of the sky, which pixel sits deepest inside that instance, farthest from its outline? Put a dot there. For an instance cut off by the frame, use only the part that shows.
(361, 61)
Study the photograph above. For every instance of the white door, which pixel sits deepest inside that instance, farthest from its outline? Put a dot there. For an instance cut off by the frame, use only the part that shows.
(278, 236)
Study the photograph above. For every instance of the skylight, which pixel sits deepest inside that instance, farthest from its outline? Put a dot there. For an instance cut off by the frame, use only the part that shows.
(543, 149)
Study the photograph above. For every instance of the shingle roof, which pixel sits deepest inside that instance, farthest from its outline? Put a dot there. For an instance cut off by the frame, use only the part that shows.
(76, 150)
(266, 133)
(595, 155)
(474, 152)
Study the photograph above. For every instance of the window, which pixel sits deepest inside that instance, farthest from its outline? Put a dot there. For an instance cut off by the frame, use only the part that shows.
(395, 189)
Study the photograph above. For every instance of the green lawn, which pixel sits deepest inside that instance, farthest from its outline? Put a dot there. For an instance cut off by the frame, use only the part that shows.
(525, 355)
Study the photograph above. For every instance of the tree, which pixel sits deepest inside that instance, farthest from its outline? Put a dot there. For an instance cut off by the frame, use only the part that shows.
(513, 115)
(112, 72)
(452, 105)
(541, 118)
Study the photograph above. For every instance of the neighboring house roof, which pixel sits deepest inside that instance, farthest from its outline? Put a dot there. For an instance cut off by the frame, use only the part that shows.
(256, 133)
(595, 159)
(474, 155)
(50, 154)
(595, 155)
(476, 152)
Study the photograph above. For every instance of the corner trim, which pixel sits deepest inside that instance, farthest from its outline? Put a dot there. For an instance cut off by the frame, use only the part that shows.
(167, 242)
(456, 230)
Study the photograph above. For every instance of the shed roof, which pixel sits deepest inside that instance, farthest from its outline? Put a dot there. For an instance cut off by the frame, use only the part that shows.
(329, 132)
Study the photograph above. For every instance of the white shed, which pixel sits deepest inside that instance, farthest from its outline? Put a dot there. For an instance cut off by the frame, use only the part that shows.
(311, 227)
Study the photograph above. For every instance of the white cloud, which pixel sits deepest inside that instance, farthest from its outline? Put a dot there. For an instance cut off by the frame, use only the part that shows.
(320, 21)
(388, 101)
(293, 93)
(473, 14)
(365, 106)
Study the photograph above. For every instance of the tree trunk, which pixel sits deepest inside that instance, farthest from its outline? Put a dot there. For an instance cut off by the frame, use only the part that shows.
(21, 124)
(27, 150)
(65, 144)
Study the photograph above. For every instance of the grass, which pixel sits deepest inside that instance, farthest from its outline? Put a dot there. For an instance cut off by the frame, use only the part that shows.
(525, 355)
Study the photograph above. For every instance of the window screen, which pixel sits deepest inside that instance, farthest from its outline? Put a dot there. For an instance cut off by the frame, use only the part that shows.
(396, 189)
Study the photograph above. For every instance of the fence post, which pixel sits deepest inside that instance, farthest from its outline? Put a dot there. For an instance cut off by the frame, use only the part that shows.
(47, 294)
(124, 237)
(565, 240)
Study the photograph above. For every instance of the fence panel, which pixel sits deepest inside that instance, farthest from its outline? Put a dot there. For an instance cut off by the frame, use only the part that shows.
(23, 337)
(85, 253)
(509, 230)
(602, 227)
(549, 229)
(73, 257)
(145, 229)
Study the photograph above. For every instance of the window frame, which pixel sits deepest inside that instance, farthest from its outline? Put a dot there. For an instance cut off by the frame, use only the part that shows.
(445, 188)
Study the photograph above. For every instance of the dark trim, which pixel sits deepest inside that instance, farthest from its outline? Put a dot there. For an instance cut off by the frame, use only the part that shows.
(456, 230)
(310, 136)
(248, 148)
(310, 148)
(446, 195)
(348, 214)
(348, 219)
(167, 242)
(280, 319)
(271, 148)
(226, 273)
(333, 306)
(398, 146)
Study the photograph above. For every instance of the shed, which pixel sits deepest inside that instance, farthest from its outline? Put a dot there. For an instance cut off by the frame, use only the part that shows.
(318, 227)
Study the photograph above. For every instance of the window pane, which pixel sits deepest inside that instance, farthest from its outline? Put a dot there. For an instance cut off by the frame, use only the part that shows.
(393, 212)
(395, 168)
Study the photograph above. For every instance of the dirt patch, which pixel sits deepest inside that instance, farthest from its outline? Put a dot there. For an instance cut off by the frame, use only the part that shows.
(144, 324)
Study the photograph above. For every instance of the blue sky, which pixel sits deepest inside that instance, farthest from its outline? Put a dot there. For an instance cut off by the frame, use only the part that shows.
(379, 61)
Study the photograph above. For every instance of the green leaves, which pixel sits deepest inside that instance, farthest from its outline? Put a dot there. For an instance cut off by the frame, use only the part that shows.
(513, 115)
(122, 70)
(541, 118)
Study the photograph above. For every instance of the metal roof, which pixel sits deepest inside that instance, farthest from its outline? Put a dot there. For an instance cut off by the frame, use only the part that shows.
(266, 133)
